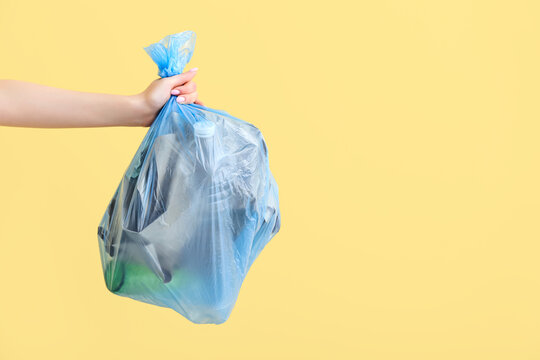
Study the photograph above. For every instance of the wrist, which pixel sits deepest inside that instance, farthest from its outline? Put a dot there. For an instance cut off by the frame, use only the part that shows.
(143, 114)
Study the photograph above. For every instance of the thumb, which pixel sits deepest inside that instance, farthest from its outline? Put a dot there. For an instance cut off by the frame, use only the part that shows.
(180, 79)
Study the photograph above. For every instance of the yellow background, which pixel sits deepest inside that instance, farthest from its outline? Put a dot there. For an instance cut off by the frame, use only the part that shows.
(404, 136)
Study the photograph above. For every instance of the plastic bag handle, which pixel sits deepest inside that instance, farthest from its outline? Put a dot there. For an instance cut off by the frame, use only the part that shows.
(172, 53)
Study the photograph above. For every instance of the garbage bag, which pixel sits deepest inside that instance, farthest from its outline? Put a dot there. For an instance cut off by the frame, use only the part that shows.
(194, 208)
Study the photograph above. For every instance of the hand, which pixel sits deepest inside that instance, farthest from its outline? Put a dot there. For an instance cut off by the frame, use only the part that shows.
(159, 91)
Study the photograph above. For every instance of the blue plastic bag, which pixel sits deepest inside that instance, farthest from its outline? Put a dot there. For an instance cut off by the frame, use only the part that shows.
(194, 209)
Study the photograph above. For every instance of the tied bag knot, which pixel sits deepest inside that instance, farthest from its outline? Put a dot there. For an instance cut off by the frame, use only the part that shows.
(172, 53)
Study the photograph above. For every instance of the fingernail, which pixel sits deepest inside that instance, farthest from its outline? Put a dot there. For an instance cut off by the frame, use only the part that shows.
(194, 69)
(175, 92)
(180, 99)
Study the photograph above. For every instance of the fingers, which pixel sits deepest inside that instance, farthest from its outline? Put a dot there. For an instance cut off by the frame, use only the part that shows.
(184, 88)
(187, 98)
(181, 79)
(187, 88)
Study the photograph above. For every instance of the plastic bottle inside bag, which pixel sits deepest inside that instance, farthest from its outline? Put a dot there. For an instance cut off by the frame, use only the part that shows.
(206, 143)
(211, 253)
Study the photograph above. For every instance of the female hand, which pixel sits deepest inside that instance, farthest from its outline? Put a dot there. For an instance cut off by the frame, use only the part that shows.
(160, 90)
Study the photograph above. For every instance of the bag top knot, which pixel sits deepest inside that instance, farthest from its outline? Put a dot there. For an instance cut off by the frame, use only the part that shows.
(172, 53)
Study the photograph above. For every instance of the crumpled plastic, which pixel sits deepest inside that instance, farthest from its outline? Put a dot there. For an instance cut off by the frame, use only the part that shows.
(193, 210)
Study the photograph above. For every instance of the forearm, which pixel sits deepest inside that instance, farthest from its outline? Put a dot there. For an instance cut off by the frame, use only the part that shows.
(31, 105)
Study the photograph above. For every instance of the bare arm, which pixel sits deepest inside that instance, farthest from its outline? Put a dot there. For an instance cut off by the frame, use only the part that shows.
(31, 105)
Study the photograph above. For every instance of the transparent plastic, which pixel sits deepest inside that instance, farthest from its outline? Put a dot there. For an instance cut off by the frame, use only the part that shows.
(194, 209)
